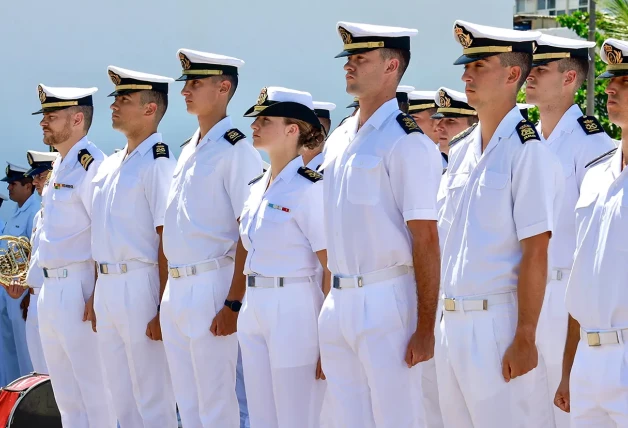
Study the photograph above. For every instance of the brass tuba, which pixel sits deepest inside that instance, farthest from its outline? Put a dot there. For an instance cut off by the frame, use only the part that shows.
(14, 259)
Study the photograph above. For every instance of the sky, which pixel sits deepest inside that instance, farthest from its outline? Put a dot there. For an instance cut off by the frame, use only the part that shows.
(289, 43)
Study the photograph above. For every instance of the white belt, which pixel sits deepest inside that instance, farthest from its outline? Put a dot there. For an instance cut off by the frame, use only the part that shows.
(274, 281)
(464, 304)
(607, 337)
(559, 274)
(63, 272)
(121, 268)
(359, 281)
(195, 269)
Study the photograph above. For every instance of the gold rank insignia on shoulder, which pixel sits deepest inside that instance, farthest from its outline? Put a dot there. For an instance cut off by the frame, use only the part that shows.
(590, 125)
(310, 174)
(462, 135)
(526, 131)
(408, 124)
(160, 150)
(85, 159)
(234, 135)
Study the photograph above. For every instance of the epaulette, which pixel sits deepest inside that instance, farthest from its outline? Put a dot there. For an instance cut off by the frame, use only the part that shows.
(310, 174)
(408, 124)
(234, 135)
(322, 171)
(85, 158)
(600, 158)
(590, 125)
(462, 135)
(160, 150)
(256, 179)
(185, 142)
(526, 131)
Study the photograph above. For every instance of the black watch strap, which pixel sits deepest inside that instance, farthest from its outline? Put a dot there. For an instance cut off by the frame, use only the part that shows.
(234, 305)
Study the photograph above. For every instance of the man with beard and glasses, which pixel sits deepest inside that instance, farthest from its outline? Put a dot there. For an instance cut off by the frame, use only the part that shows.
(503, 191)
(14, 358)
(377, 323)
(130, 191)
(559, 67)
(594, 386)
(66, 301)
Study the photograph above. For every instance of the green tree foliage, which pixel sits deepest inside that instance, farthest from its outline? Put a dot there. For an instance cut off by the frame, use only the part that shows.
(607, 26)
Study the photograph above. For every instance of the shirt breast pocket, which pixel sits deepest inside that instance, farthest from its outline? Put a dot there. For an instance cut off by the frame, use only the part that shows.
(364, 179)
(618, 231)
(453, 190)
(494, 198)
(127, 196)
(272, 223)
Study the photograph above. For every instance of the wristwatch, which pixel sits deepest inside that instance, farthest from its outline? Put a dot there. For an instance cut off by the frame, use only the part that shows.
(234, 305)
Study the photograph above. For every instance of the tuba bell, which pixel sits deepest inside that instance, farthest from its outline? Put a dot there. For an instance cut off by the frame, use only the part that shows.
(14, 260)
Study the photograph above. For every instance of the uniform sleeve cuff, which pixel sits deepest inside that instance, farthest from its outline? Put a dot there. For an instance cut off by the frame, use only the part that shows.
(318, 246)
(158, 222)
(535, 229)
(429, 214)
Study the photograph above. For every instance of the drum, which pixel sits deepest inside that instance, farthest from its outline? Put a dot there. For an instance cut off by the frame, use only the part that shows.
(29, 402)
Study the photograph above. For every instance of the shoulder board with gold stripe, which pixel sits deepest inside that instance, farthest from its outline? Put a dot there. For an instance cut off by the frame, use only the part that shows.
(408, 124)
(463, 134)
(85, 158)
(160, 150)
(526, 131)
(601, 158)
(234, 135)
(590, 125)
(310, 174)
(256, 179)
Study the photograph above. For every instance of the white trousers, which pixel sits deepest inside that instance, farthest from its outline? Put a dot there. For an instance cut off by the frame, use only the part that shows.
(71, 351)
(136, 367)
(429, 385)
(550, 340)
(278, 334)
(599, 386)
(473, 392)
(33, 340)
(202, 366)
(364, 334)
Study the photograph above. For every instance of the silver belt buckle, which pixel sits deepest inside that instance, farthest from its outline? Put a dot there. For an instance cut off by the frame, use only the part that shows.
(559, 275)
(46, 273)
(360, 282)
(192, 270)
(336, 282)
(103, 268)
(174, 272)
(250, 281)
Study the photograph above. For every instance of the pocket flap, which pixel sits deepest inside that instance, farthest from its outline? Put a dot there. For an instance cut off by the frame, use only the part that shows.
(457, 180)
(586, 199)
(365, 161)
(494, 180)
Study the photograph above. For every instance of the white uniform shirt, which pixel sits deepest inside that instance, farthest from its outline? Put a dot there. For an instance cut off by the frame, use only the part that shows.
(316, 162)
(376, 179)
(67, 203)
(129, 204)
(597, 293)
(206, 197)
(35, 276)
(574, 148)
(21, 222)
(495, 199)
(283, 227)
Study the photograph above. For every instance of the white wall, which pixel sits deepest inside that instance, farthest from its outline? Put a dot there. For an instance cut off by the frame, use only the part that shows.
(289, 43)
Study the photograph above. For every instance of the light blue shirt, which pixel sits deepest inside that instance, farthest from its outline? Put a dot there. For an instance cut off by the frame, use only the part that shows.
(21, 222)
